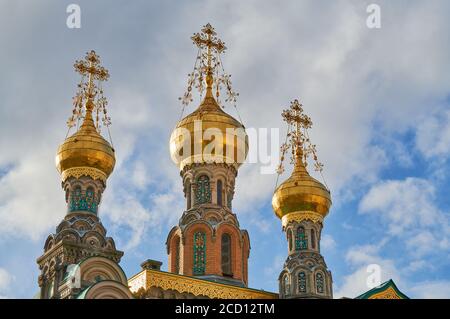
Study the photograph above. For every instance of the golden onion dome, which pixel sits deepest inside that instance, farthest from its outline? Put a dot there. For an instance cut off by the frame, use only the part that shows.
(193, 138)
(301, 194)
(86, 152)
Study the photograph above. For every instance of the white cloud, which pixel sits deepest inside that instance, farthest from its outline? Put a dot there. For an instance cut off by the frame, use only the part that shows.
(419, 244)
(274, 270)
(127, 212)
(31, 198)
(408, 209)
(359, 258)
(140, 176)
(167, 208)
(431, 290)
(403, 204)
(433, 135)
(327, 242)
(417, 265)
(6, 280)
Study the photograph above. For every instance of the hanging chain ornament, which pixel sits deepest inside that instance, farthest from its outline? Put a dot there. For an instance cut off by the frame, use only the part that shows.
(208, 62)
(89, 90)
(297, 138)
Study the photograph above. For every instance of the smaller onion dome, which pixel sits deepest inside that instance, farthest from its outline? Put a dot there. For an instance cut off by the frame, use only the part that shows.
(85, 152)
(300, 196)
(301, 193)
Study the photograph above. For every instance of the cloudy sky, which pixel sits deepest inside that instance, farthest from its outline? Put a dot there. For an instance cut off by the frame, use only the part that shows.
(379, 100)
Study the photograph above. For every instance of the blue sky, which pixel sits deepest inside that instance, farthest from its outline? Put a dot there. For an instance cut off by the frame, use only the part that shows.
(379, 100)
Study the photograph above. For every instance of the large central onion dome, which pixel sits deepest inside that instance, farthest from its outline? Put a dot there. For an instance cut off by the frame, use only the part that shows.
(86, 152)
(209, 135)
(301, 193)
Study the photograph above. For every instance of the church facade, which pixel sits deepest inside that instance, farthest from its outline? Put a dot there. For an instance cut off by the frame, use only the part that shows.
(208, 251)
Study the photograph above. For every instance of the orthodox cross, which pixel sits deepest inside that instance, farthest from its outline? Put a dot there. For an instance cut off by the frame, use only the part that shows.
(299, 142)
(294, 116)
(87, 91)
(209, 49)
(91, 66)
(208, 39)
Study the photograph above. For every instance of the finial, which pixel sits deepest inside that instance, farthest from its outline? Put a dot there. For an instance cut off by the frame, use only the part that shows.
(297, 139)
(90, 94)
(208, 67)
(208, 40)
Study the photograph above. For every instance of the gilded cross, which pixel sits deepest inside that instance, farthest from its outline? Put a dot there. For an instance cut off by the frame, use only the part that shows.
(91, 66)
(208, 40)
(295, 116)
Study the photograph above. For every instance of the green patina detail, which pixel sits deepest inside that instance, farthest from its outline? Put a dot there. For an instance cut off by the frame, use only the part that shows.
(384, 286)
(319, 283)
(85, 202)
(199, 253)
(301, 281)
(203, 193)
(301, 240)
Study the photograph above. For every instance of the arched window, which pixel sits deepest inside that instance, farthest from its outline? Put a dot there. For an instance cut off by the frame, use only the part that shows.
(313, 239)
(301, 240)
(319, 283)
(203, 194)
(219, 193)
(290, 239)
(177, 255)
(301, 281)
(90, 203)
(287, 286)
(226, 254)
(75, 199)
(188, 195)
(199, 253)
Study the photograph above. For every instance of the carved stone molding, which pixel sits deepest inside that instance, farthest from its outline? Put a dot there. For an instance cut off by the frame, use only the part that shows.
(77, 172)
(301, 216)
(197, 287)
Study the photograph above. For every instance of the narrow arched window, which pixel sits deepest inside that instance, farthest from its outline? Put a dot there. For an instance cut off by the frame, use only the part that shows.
(188, 195)
(177, 255)
(219, 193)
(226, 254)
(75, 199)
(203, 194)
(301, 240)
(90, 203)
(313, 239)
(290, 239)
(319, 283)
(302, 281)
(199, 253)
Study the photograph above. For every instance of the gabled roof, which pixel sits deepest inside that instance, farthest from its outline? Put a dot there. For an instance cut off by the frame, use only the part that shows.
(387, 290)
